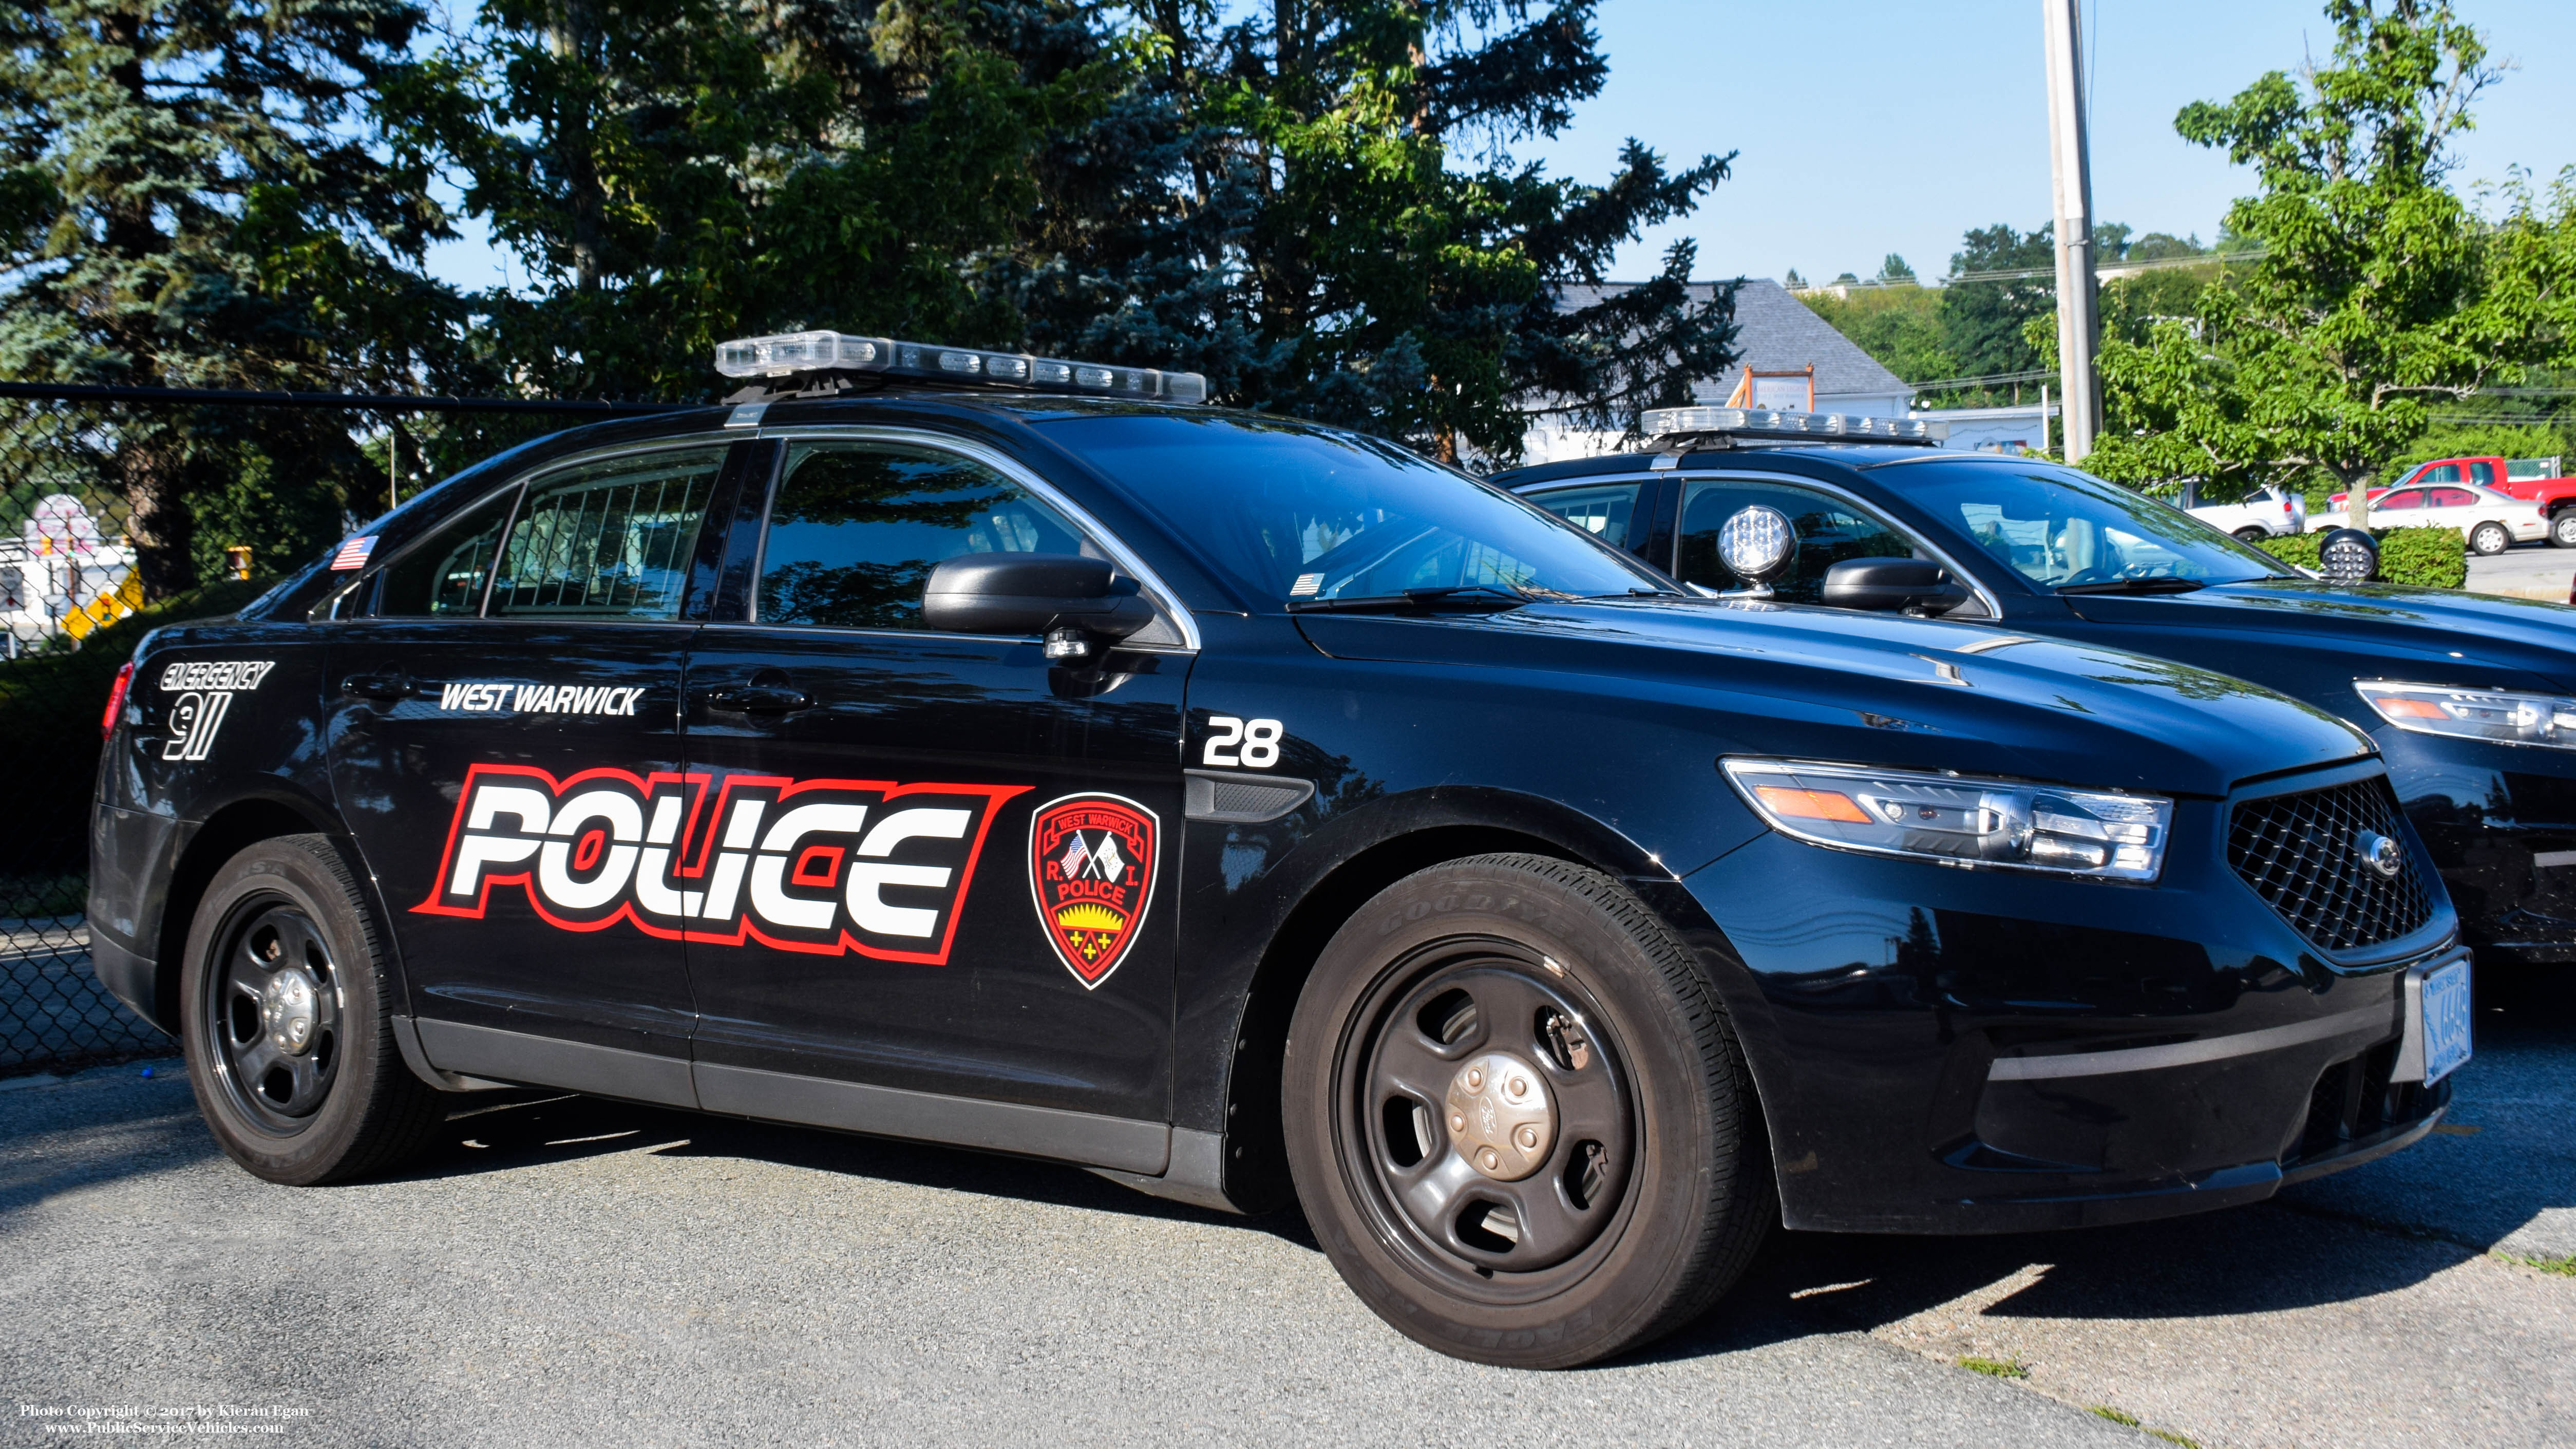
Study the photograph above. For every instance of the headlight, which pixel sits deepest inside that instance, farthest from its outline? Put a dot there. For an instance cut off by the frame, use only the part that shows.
(2475, 714)
(1958, 820)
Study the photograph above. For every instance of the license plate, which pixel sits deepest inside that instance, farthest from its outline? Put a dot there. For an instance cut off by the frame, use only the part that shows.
(2446, 1021)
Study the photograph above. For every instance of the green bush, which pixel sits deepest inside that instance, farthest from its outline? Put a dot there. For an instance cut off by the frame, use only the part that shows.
(2435, 557)
(50, 705)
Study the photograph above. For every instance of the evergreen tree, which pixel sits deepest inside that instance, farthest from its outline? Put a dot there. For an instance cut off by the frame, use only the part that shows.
(190, 195)
(675, 172)
(1306, 234)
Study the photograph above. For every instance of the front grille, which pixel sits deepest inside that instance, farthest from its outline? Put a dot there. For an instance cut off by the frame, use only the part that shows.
(2302, 854)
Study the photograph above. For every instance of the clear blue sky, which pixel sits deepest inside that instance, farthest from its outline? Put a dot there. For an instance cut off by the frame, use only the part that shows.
(1867, 127)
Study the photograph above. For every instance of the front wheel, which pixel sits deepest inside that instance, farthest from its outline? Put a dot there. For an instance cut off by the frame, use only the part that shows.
(2489, 539)
(1518, 1118)
(285, 1020)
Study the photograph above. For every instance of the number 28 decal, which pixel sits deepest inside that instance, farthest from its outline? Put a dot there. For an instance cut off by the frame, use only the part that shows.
(1253, 744)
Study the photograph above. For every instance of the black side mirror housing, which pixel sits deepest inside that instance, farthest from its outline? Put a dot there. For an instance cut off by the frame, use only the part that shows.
(1067, 598)
(1891, 585)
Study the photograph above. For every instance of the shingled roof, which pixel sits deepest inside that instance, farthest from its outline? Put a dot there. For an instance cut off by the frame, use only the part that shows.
(1777, 333)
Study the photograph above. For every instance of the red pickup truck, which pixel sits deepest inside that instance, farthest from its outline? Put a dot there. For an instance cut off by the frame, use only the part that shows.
(2537, 479)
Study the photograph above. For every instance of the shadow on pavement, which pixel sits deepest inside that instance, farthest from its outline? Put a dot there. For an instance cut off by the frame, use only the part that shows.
(542, 1127)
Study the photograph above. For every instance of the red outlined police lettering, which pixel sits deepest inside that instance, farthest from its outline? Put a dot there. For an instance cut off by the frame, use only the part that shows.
(862, 867)
(1092, 864)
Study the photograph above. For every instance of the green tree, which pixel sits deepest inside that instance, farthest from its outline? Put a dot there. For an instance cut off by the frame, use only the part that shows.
(1899, 326)
(1384, 263)
(2381, 290)
(1983, 321)
(193, 195)
(675, 172)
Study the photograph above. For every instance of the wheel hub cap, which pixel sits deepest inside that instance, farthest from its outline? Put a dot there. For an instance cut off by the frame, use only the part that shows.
(1501, 1118)
(286, 1010)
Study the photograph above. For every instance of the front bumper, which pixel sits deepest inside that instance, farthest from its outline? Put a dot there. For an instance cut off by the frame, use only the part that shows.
(1954, 1051)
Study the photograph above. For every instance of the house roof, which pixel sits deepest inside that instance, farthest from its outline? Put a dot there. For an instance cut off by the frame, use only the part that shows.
(1776, 333)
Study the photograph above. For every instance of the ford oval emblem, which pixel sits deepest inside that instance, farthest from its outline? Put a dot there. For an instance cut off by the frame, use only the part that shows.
(2380, 853)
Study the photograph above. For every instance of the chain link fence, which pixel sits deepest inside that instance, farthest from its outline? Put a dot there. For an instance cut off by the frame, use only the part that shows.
(234, 489)
(69, 600)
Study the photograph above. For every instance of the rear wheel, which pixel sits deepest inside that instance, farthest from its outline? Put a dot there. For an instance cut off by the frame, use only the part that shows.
(2253, 534)
(2490, 539)
(1518, 1119)
(2562, 528)
(285, 1019)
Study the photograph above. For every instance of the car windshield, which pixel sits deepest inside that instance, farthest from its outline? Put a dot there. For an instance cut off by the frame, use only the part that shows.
(1292, 514)
(2060, 528)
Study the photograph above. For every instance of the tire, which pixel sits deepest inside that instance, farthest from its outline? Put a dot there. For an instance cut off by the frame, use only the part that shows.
(1648, 1192)
(2251, 533)
(2489, 539)
(282, 938)
(2562, 528)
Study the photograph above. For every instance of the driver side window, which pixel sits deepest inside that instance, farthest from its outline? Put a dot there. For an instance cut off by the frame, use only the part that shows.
(1829, 531)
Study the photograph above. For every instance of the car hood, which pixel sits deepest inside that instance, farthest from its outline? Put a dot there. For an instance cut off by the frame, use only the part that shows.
(1904, 693)
(2387, 631)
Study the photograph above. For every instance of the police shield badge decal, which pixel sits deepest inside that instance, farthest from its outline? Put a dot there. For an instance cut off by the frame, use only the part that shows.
(1092, 862)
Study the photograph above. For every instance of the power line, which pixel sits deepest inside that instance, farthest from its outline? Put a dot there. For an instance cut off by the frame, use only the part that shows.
(356, 401)
(1992, 379)
(2110, 270)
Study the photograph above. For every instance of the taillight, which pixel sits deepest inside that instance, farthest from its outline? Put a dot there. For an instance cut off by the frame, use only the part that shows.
(116, 699)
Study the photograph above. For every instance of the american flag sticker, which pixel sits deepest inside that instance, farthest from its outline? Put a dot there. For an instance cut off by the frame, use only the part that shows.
(353, 554)
(1306, 584)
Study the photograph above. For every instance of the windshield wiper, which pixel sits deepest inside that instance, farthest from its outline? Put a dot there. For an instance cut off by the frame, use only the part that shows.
(2166, 585)
(1469, 596)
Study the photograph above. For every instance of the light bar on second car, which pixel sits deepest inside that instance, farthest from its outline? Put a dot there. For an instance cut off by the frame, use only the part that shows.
(1770, 423)
(794, 353)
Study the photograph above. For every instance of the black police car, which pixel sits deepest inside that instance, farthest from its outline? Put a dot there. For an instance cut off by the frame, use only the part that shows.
(1228, 804)
(2472, 699)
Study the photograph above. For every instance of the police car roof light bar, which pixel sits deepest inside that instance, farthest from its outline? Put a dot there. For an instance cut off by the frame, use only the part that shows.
(801, 353)
(1769, 424)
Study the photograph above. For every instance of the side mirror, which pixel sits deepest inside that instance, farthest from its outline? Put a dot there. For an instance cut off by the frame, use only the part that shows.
(1075, 602)
(1891, 584)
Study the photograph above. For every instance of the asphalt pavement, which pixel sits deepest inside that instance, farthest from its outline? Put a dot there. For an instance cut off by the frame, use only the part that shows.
(564, 1268)
(2528, 570)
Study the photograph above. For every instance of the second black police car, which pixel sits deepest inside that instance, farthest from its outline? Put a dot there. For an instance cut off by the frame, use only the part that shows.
(2472, 699)
(1232, 806)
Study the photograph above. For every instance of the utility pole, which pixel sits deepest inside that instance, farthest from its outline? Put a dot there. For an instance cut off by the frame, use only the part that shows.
(2079, 326)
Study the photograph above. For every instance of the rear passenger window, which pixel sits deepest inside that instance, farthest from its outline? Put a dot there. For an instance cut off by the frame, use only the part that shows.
(855, 527)
(2451, 498)
(1606, 511)
(609, 540)
(444, 575)
(1829, 531)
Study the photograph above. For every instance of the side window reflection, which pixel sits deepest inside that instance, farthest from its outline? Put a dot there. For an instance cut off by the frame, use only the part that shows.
(1606, 511)
(855, 528)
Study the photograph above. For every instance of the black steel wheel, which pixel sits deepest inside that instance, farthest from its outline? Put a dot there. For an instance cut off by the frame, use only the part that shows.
(1517, 1116)
(1491, 1125)
(285, 1018)
(274, 1020)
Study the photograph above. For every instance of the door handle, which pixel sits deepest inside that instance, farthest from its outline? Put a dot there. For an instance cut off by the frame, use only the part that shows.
(387, 687)
(757, 699)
